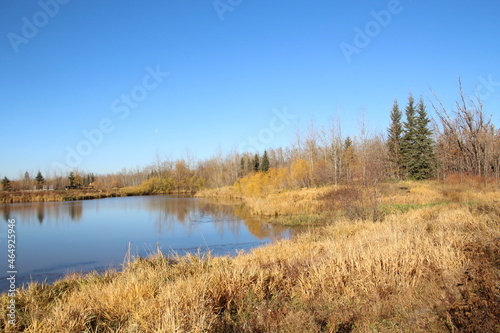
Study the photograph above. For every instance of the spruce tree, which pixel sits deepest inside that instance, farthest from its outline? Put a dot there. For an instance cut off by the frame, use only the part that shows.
(348, 158)
(71, 178)
(242, 167)
(408, 152)
(424, 145)
(417, 147)
(347, 143)
(264, 166)
(39, 179)
(394, 137)
(5, 184)
(256, 163)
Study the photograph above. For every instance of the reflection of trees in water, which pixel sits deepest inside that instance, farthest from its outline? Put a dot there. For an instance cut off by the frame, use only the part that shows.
(171, 211)
(263, 230)
(188, 212)
(257, 227)
(6, 212)
(191, 212)
(40, 214)
(30, 213)
(167, 212)
(75, 211)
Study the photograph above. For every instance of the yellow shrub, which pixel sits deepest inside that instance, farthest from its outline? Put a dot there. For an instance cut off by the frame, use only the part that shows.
(262, 183)
(300, 173)
(157, 185)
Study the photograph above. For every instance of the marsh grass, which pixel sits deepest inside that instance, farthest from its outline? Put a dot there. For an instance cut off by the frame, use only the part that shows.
(54, 196)
(301, 219)
(403, 273)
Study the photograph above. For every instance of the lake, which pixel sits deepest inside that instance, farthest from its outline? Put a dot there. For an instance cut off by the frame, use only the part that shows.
(56, 238)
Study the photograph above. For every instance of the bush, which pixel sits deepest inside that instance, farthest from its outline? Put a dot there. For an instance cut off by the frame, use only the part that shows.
(156, 185)
(260, 184)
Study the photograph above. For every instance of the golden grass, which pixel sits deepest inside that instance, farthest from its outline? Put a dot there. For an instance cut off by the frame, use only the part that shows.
(354, 201)
(52, 196)
(425, 192)
(226, 192)
(288, 202)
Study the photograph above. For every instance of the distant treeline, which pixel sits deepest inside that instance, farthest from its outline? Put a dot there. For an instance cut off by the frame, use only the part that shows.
(461, 143)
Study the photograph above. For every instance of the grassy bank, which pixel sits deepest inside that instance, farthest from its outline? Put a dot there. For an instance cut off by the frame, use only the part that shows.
(429, 264)
(62, 195)
(313, 206)
(75, 194)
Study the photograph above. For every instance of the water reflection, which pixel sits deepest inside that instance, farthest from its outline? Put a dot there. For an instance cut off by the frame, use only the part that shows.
(59, 212)
(58, 237)
(167, 214)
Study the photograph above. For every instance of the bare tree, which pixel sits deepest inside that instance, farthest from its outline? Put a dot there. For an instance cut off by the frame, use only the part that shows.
(468, 141)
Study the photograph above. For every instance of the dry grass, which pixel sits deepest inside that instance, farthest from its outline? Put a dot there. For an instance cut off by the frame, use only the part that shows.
(227, 192)
(52, 196)
(412, 192)
(405, 273)
(305, 201)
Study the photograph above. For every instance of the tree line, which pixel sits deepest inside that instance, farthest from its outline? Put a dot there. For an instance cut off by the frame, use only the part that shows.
(462, 142)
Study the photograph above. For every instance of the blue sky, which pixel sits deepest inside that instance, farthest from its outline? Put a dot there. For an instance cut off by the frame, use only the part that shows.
(148, 77)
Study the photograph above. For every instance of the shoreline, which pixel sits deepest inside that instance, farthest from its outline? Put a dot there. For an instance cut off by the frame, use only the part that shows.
(72, 195)
(55, 195)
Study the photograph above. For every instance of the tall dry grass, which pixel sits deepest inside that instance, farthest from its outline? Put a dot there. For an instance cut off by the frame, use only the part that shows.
(400, 274)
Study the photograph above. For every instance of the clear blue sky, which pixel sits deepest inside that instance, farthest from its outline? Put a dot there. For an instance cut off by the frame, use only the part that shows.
(68, 67)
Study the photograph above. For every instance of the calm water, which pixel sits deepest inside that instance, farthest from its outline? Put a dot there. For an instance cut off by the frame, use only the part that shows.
(62, 237)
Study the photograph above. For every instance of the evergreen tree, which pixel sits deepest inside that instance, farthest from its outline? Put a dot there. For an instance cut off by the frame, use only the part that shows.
(424, 145)
(255, 163)
(26, 182)
(39, 179)
(5, 184)
(264, 166)
(71, 178)
(417, 147)
(394, 138)
(242, 167)
(348, 158)
(347, 143)
(408, 152)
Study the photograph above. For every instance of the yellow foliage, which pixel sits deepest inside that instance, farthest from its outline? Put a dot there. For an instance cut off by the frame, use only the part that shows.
(300, 173)
(262, 183)
(156, 185)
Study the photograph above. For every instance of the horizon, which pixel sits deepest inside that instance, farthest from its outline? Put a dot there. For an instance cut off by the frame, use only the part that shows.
(119, 83)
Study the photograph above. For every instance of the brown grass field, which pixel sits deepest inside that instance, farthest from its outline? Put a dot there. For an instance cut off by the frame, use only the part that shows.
(405, 257)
